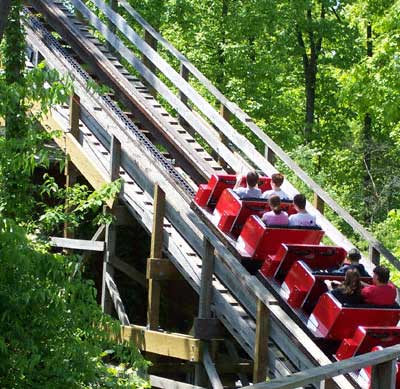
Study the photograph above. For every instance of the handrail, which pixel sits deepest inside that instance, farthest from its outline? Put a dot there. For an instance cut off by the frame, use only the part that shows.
(277, 150)
(383, 359)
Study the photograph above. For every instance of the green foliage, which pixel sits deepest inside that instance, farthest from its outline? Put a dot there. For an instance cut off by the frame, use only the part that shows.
(75, 204)
(52, 332)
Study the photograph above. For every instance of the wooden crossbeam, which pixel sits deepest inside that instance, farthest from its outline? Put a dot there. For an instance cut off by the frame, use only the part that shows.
(129, 270)
(163, 343)
(116, 298)
(165, 383)
(76, 244)
(211, 370)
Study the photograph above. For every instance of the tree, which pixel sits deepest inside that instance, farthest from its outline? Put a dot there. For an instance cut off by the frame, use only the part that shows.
(5, 6)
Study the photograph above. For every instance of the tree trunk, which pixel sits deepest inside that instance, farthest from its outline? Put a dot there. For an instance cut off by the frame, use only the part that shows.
(5, 7)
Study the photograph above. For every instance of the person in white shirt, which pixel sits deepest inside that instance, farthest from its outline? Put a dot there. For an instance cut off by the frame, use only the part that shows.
(251, 191)
(302, 217)
(276, 182)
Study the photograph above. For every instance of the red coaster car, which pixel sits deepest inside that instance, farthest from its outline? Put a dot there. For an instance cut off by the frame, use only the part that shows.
(302, 288)
(315, 256)
(332, 320)
(208, 194)
(365, 338)
(256, 241)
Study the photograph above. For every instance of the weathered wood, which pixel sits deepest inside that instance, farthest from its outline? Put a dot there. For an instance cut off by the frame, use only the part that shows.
(115, 158)
(76, 244)
(158, 223)
(163, 343)
(210, 369)
(165, 383)
(384, 375)
(184, 73)
(207, 272)
(303, 378)
(162, 269)
(130, 271)
(207, 329)
(374, 255)
(261, 343)
(148, 38)
(74, 115)
(118, 305)
(318, 203)
(269, 155)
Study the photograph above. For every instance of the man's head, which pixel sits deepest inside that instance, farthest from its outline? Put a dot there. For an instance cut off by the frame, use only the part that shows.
(354, 255)
(277, 180)
(252, 179)
(381, 275)
(299, 201)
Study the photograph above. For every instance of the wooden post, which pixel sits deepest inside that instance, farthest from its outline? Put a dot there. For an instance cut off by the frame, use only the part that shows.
(184, 72)
(318, 203)
(207, 271)
(70, 171)
(111, 233)
(261, 343)
(153, 307)
(226, 114)
(152, 42)
(374, 255)
(384, 375)
(111, 26)
(270, 155)
(205, 299)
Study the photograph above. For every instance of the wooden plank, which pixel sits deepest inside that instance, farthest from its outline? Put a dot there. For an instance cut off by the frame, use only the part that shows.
(118, 305)
(336, 368)
(207, 272)
(115, 160)
(77, 244)
(129, 270)
(163, 343)
(162, 269)
(261, 343)
(165, 383)
(210, 369)
(74, 115)
(158, 223)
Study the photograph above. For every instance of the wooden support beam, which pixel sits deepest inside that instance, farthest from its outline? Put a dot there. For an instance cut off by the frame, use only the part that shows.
(374, 255)
(207, 272)
(270, 155)
(116, 299)
(76, 244)
(163, 343)
(74, 115)
(149, 39)
(115, 160)
(153, 308)
(184, 73)
(226, 114)
(384, 375)
(261, 343)
(130, 271)
(165, 383)
(210, 369)
(318, 203)
(162, 269)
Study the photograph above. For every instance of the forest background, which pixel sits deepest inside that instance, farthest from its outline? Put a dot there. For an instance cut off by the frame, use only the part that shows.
(321, 78)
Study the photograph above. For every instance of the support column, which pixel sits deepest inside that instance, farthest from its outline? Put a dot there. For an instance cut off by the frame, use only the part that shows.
(384, 375)
(111, 233)
(70, 170)
(226, 114)
(153, 308)
(152, 42)
(374, 255)
(184, 73)
(261, 343)
(319, 203)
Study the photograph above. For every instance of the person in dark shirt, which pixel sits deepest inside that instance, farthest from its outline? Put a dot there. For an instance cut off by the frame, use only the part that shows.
(353, 257)
(349, 292)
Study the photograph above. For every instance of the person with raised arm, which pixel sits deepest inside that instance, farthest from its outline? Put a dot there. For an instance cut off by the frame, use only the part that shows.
(302, 217)
(251, 190)
(276, 182)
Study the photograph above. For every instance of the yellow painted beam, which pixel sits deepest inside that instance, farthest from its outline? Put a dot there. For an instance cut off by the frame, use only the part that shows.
(163, 343)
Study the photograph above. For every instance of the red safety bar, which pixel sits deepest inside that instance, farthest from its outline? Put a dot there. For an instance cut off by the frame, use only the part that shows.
(365, 338)
(256, 241)
(315, 256)
(331, 320)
